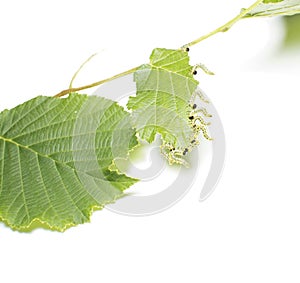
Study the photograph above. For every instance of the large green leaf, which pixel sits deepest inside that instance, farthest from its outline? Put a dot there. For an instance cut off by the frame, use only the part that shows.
(54, 159)
(162, 104)
(275, 8)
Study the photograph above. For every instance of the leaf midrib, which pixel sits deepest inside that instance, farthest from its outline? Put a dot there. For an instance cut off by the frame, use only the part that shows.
(167, 70)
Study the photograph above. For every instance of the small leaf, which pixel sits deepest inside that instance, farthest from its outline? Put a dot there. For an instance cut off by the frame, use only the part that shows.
(275, 8)
(54, 159)
(162, 105)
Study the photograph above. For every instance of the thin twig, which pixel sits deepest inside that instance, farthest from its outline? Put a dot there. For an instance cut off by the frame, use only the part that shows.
(79, 69)
(75, 89)
(223, 28)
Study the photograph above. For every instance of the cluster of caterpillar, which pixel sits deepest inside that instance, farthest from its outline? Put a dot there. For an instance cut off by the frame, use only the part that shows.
(198, 125)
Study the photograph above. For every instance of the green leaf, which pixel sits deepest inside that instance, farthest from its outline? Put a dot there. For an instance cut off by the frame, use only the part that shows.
(275, 8)
(292, 34)
(54, 159)
(163, 102)
(272, 1)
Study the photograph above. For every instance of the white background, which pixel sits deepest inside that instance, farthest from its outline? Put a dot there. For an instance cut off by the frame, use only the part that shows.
(248, 230)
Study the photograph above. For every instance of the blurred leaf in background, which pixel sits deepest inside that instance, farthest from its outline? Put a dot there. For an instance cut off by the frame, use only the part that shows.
(292, 31)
